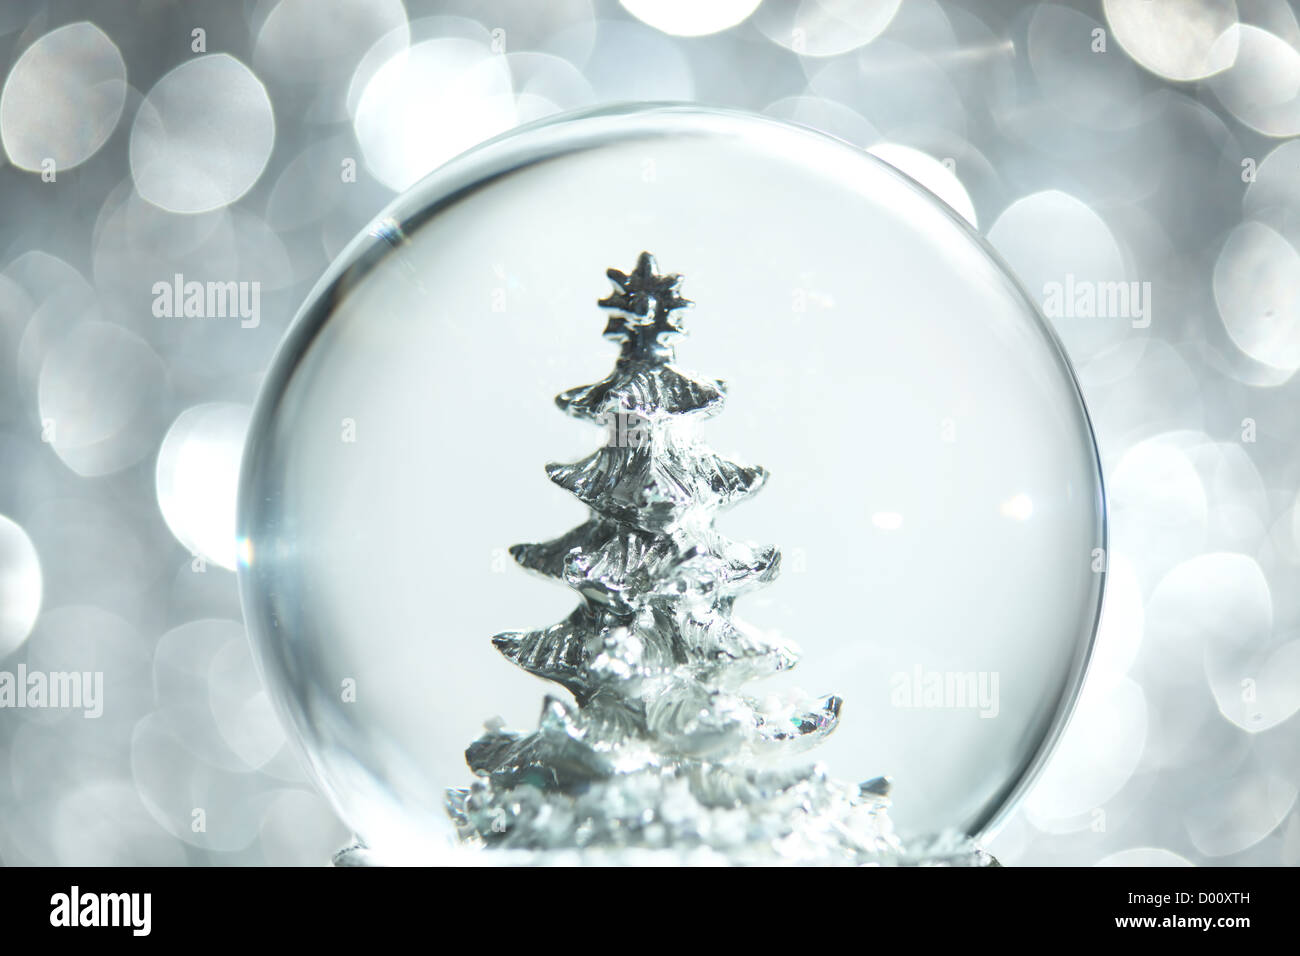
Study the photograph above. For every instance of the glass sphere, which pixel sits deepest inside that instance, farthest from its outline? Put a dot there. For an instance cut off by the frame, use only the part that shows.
(932, 479)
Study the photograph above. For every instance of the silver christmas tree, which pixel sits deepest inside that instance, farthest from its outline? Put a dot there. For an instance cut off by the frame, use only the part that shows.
(663, 751)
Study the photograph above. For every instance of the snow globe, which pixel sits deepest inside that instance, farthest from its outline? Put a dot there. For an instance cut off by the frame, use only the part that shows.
(921, 524)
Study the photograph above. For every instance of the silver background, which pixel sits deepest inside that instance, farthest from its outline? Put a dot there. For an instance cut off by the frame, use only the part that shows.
(1106, 165)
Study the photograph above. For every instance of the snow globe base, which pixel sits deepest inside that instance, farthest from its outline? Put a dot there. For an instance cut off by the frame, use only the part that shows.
(850, 827)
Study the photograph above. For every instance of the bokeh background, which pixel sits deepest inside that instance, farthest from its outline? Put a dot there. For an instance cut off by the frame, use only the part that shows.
(1145, 141)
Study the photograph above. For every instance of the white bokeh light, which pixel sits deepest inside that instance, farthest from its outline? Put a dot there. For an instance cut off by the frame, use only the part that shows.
(311, 47)
(1235, 813)
(690, 18)
(546, 84)
(1067, 255)
(1262, 88)
(1260, 695)
(1274, 196)
(1094, 758)
(207, 691)
(202, 136)
(1176, 39)
(20, 586)
(1257, 290)
(825, 28)
(1120, 632)
(63, 98)
(429, 103)
(1076, 83)
(198, 476)
(1210, 605)
(101, 388)
(1158, 505)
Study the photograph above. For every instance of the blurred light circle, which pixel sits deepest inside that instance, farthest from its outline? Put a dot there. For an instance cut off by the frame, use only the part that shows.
(177, 786)
(1238, 500)
(927, 25)
(1201, 156)
(388, 47)
(1186, 730)
(63, 98)
(1263, 693)
(16, 307)
(43, 275)
(1257, 290)
(101, 389)
(103, 823)
(930, 173)
(313, 46)
(132, 236)
(690, 18)
(136, 244)
(1210, 604)
(1067, 257)
(1274, 195)
(21, 586)
(429, 103)
(1120, 632)
(1096, 89)
(240, 705)
(310, 186)
(546, 84)
(262, 256)
(49, 759)
(54, 297)
(1262, 88)
(1144, 856)
(1176, 39)
(825, 27)
(99, 550)
(202, 135)
(1159, 507)
(197, 477)
(1275, 16)
(53, 318)
(1095, 757)
(1162, 395)
(1234, 814)
(205, 710)
(81, 638)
